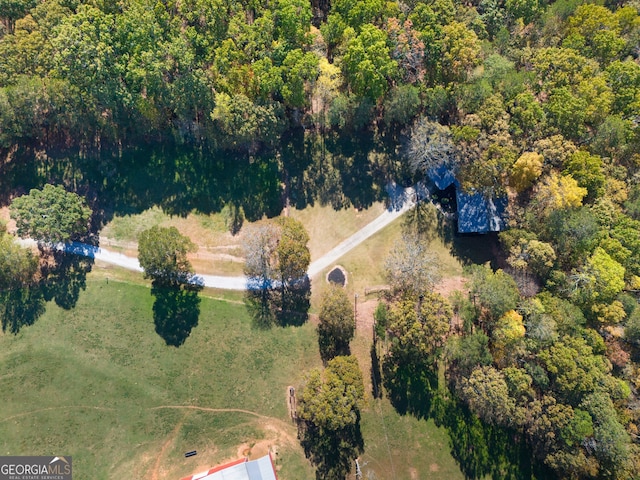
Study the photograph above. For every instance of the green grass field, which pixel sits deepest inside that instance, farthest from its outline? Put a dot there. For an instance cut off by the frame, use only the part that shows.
(88, 382)
(98, 383)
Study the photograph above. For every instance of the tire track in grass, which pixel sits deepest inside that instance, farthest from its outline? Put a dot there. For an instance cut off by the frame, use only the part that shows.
(277, 424)
(48, 409)
(155, 473)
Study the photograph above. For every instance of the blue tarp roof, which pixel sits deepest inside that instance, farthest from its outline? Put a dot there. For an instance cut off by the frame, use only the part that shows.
(442, 176)
(476, 213)
(479, 214)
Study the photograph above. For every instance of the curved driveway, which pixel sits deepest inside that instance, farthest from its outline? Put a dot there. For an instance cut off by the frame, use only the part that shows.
(402, 201)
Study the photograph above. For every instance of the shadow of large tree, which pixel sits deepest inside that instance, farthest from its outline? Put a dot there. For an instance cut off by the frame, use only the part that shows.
(330, 346)
(410, 386)
(481, 450)
(176, 310)
(484, 450)
(21, 307)
(61, 278)
(269, 306)
(64, 275)
(376, 373)
(343, 171)
(331, 451)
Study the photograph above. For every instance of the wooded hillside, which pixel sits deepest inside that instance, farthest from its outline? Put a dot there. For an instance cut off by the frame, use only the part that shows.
(535, 101)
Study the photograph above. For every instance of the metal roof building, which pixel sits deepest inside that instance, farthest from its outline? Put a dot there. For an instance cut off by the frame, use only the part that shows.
(476, 213)
(243, 469)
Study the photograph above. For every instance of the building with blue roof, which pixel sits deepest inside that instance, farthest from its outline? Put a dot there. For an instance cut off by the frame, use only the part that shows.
(476, 213)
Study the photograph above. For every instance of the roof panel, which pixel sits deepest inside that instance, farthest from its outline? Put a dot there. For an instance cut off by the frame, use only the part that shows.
(479, 214)
(259, 469)
(442, 176)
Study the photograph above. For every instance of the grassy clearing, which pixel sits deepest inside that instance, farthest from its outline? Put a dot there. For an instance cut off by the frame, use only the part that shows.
(403, 448)
(220, 252)
(206, 230)
(328, 227)
(398, 447)
(365, 263)
(87, 382)
(96, 382)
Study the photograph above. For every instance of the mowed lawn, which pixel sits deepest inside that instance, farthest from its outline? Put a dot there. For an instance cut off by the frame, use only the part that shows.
(98, 383)
(95, 383)
(365, 264)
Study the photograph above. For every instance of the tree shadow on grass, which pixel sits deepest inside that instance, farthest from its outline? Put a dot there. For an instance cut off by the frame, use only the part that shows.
(346, 170)
(292, 307)
(21, 307)
(259, 305)
(410, 386)
(483, 450)
(331, 451)
(64, 275)
(270, 306)
(376, 373)
(176, 310)
(331, 347)
(475, 248)
(62, 278)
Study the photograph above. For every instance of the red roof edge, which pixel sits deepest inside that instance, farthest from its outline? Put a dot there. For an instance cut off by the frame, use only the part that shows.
(273, 465)
(221, 467)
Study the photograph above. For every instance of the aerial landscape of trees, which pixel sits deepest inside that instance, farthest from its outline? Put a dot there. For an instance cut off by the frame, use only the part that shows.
(251, 108)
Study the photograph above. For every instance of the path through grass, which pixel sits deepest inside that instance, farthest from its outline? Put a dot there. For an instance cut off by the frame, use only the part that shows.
(96, 382)
(88, 383)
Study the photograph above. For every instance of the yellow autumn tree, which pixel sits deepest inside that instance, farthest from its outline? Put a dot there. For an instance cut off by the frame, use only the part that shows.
(507, 334)
(326, 87)
(558, 192)
(526, 170)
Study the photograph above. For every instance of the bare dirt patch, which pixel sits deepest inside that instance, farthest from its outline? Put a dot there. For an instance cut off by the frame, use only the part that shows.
(314, 319)
(434, 467)
(155, 474)
(450, 284)
(364, 315)
(255, 450)
(4, 216)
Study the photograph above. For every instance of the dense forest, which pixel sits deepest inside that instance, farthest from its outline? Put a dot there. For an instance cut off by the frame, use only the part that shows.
(535, 101)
